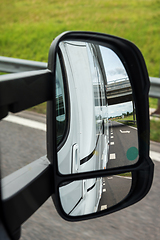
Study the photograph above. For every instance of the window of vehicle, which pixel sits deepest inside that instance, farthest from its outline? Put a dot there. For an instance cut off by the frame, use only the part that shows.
(61, 104)
(96, 87)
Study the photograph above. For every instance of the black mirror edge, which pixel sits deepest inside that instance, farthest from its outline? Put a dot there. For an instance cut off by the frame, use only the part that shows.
(141, 184)
(142, 171)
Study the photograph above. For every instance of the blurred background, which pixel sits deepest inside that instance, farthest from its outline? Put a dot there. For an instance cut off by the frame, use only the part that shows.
(27, 29)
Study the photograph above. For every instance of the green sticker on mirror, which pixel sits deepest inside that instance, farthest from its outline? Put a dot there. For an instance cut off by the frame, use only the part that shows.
(132, 153)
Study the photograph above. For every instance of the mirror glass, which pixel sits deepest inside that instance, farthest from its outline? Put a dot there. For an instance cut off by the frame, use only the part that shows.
(96, 115)
(93, 195)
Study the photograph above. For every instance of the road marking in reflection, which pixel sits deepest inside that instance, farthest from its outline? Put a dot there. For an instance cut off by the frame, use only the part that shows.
(103, 207)
(42, 126)
(155, 156)
(112, 136)
(26, 122)
(104, 190)
(124, 131)
(132, 127)
(122, 177)
(112, 156)
(112, 143)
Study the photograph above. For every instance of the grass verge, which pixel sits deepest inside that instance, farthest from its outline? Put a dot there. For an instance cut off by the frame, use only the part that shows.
(41, 108)
(153, 102)
(28, 27)
(155, 130)
(128, 174)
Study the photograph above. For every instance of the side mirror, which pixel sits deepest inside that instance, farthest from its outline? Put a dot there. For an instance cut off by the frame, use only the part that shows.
(97, 159)
(102, 124)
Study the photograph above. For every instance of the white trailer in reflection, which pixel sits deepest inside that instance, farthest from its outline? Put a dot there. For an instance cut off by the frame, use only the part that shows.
(82, 123)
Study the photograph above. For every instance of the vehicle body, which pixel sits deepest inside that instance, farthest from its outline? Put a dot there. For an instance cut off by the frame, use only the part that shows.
(85, 146)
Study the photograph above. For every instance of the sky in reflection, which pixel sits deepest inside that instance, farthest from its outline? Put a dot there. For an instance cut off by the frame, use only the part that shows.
(119, 109)
(113, 66)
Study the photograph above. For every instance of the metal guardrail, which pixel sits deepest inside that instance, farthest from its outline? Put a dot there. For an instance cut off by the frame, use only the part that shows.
(121, 86)
(154, 87)
(14, 65)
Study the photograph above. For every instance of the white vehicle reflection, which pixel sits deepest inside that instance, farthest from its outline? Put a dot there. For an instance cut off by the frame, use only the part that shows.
(82, 122)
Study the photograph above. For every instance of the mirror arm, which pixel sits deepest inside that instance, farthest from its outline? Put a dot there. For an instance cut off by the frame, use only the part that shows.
(24, 191)
(3, 232)
(19, 91)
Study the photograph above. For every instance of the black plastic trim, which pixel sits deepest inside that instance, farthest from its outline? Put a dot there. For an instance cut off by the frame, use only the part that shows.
(19, 91)
(87, 158)
(90, 188)
(30, 181)
(75, 206)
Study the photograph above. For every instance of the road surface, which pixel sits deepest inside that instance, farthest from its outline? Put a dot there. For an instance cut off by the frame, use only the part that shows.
(121, 139)
(115, 189)
(21, 145)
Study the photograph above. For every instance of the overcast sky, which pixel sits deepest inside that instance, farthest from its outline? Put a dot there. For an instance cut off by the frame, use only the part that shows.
(113, 66)
(115, 71)
(119, 109)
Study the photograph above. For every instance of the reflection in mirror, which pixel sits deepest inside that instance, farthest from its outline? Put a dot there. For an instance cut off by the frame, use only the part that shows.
(93, 195)
(123, 144)
(96, 110)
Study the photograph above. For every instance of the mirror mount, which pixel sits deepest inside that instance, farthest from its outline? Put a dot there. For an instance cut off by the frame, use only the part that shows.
(20, 91)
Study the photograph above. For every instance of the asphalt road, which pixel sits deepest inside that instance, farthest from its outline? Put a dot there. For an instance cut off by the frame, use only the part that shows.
(115, 189)
(21, 145)
(121, 139)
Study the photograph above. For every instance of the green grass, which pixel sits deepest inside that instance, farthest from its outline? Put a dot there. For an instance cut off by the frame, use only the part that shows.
(28, 26)
(41, 108)
(153, 102)
(127, 120)
(128, 174)
(155, 130)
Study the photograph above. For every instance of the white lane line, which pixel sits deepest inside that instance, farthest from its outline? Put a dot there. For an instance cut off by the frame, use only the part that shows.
(127, 125)
(133, 127)
(104, 190)
(26, 122)
(122, 177)
(111, 143)
(155, 156)
(111, 132)
(124, 131)
(103, 207)
(112, 156)
(42, 126)
(112, 136)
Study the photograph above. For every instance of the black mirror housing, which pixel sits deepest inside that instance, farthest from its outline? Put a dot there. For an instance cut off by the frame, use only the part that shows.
(142, 171)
